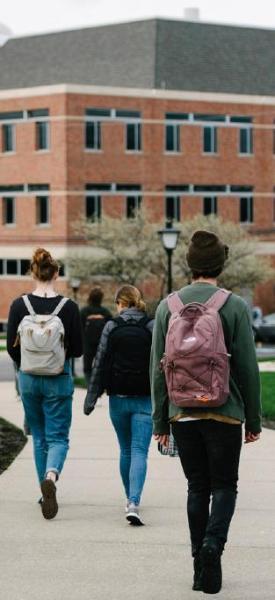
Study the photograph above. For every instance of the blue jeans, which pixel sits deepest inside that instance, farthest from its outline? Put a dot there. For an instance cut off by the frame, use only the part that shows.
(131, 418)
(48, 406)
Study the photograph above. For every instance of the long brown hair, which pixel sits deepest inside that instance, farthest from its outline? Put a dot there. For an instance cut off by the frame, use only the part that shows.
(43, 266)
(130, 296)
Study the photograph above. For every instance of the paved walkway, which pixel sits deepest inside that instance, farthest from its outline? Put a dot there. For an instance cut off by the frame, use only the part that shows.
(89, 552)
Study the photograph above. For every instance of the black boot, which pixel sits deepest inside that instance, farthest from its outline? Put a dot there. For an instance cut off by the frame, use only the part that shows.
(211, 569)
(197, 580)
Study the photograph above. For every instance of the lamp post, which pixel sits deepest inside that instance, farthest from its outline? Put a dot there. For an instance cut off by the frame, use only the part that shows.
(169, 237)
(75, 285)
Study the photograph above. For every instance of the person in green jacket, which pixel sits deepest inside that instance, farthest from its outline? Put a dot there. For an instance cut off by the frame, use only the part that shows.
(209, 440)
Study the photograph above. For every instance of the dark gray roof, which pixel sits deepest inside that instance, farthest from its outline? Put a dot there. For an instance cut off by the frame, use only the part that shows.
(155, 53)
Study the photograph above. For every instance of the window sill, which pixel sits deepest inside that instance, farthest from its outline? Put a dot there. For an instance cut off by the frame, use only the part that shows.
(133, 151)
(245, 155)
(43, 225)
(8, 152)
(46, 151)
(172, 152)
(9, 225)
(210, 154)
(93, 151)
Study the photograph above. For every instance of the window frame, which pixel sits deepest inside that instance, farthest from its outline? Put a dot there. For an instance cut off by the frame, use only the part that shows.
(131, 211)
(176, 199)
(5, 138)
(5, 201)
(249, 208)
(38, 199)
(213, 129)
(96, 216)
(213, 205)
(39, 136)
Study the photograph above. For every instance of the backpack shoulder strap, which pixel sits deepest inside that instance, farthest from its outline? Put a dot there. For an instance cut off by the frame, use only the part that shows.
(59, 306)
(28, 305)
(218, 299)
(174, 302)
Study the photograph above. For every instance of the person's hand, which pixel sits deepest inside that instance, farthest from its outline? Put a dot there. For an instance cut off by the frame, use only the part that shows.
(89, 405)
(162, 439)
(251, 437)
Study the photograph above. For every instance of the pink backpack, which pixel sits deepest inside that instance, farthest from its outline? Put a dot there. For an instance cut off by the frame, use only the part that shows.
(196, 362)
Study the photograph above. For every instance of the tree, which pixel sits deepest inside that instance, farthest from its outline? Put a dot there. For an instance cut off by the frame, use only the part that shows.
(130, 251)
(125, 250)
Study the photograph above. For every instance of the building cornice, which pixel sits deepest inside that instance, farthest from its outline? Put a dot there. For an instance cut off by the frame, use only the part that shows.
(95, 90)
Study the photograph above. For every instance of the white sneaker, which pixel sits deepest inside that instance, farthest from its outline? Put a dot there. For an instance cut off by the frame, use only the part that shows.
(132, 515)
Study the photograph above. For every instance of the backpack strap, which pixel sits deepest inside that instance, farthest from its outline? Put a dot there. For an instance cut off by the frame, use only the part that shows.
(218, 299)
(28, 305)
(174, 302)
(59, 306)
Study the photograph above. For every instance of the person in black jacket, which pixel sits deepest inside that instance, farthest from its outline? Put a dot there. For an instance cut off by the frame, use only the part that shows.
(121, 367)
(47, 400)
(93, 318)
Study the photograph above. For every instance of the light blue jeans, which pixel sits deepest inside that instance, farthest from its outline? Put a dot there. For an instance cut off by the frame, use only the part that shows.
(48, 406)
(131, 418)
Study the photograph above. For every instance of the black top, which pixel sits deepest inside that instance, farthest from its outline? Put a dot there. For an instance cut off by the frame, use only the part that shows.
(69, 316)
(92, 309)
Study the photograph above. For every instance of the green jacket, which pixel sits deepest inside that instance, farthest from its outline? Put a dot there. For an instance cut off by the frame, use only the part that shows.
(244, 401)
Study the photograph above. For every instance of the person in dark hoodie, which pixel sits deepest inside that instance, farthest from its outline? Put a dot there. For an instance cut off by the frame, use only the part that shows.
(209, 439)
(121, 367)
(93, 318)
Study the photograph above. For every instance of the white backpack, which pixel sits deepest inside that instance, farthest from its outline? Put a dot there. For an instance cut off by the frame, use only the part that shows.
(42, 341)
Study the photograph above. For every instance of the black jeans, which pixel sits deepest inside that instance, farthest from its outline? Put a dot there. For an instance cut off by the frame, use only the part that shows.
(209, 452)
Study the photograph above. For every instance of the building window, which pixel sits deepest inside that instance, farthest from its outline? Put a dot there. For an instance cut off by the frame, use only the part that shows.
(246, 133)
(172, 208)
(42, 137)
(93, 127)
(8, 130)
(172, 140)
(172, 131)
(42, 210)
(246, 140)
(210, 145)
(8, 211)
(42, 128)
(246, 209)
(133, 128)
(93, 208)
(14, 266)
(133, 204)
(210, 205)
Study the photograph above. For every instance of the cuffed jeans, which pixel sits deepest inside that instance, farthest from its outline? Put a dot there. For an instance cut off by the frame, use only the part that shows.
(209, 452)
(48, 407)
(131, 418)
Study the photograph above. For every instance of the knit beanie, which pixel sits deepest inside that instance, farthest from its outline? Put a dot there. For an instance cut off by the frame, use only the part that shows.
(206, 252)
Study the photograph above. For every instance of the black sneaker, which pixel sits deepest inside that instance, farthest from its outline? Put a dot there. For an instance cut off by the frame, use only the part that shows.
(197, 580)
(211, 572)
(49, 504)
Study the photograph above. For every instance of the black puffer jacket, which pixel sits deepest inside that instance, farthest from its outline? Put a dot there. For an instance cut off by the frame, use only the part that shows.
(96, 385)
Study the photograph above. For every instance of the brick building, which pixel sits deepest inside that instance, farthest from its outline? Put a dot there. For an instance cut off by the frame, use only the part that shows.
(174, 114)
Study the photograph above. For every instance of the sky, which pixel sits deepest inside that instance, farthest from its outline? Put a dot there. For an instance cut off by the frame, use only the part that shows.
(35, 16)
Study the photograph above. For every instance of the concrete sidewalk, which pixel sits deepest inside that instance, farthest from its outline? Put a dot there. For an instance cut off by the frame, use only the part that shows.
(90, 552)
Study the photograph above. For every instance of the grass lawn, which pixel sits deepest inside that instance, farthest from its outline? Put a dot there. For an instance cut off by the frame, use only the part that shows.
(268, 395)
(12, 440)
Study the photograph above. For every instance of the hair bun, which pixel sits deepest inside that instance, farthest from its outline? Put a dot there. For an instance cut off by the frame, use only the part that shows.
(43, 265)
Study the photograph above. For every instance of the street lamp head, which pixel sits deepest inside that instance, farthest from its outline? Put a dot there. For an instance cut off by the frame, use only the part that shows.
(75, 284)
(169, 237)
